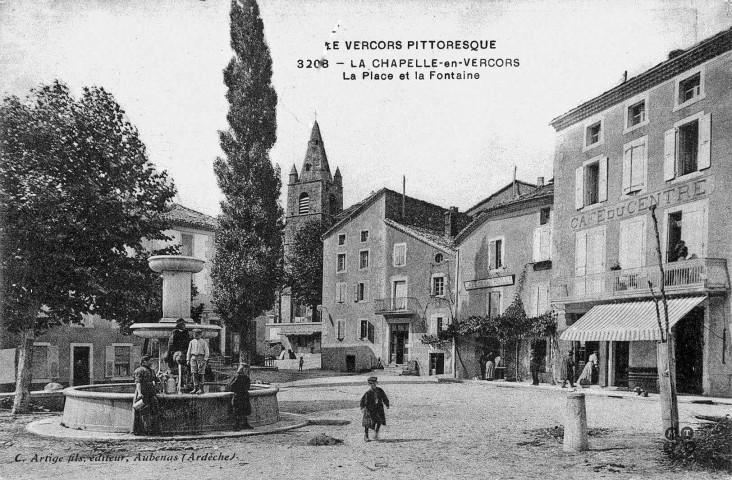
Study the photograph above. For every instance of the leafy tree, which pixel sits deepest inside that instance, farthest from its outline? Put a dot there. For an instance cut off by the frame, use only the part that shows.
(246, 270)
(305, 264)
(80, 196)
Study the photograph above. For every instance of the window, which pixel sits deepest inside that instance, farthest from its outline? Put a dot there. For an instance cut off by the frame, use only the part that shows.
(341, 329)
(186, 248)
(341, 262)
(688, 224)
(439, 258)
(361, 292)
(122, 361)
(363, 259)
(367, 331)
(438, 286)
(493, 304)
(591, 183)
(542, 243)
(400, 254)
(635, 113)
(303, 207)
(495, 254)
(439, 324)
(364, 235)
(689, 89)
(687, 146)
(594, 135)
(544, 215)
(632, 243)
(341, 239)
(340, 292)
(541, 300)
(634, 165)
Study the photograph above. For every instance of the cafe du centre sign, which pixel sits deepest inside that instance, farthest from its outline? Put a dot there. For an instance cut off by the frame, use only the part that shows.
(490, 282)
(681, 193)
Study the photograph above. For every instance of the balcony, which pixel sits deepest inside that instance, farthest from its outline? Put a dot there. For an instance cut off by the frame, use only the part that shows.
(396, 307)
(700, 275)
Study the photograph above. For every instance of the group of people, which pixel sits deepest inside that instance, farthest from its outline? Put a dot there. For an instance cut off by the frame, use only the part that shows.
(566, 372)
(493, 366)
(146, 401)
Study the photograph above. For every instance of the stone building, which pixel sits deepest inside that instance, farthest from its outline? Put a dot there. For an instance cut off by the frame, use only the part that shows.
(312, 195)
(659, 139)
(507, 251)
(389, 279)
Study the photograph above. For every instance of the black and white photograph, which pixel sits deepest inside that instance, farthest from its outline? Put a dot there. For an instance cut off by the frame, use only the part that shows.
(346, 239)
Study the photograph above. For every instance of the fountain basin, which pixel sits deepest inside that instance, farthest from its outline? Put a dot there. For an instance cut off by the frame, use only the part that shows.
(108, 408)
(175, 263)
(163, 329)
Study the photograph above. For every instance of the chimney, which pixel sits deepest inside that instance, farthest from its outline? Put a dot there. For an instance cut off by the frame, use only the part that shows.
(540, 182)
(675, 53)
(451, 222)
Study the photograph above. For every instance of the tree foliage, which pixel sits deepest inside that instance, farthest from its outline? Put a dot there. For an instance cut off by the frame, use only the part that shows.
(305, 264)
(79, 196)
(248, 239)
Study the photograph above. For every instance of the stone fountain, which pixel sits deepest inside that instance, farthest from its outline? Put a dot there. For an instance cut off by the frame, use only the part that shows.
(108, 407)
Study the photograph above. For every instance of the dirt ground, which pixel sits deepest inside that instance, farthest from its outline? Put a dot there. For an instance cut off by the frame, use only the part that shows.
(469, 430)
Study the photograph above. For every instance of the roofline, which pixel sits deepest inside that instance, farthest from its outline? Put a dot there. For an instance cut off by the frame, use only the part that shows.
(638, 84)
(501, 209)
(193, 224)
(497, 192)
(415, 235)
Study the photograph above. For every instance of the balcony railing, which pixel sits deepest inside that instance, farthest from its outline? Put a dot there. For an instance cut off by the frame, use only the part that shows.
(396, 306)
(700, 275)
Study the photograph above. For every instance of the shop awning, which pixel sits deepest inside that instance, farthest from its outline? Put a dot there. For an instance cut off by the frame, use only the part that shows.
(627, 322)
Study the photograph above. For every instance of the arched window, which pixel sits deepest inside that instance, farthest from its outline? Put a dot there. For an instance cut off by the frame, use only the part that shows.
(333, 205)
(304, 204)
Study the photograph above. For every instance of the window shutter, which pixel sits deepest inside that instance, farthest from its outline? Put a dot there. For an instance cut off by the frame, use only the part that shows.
(602, 180)
(669, 154)
(624, 247)
(495, 304)
(705, 133)
(579, 188)
(371, 332)
(546, 243)
(536, 296)
(53, 362)
(355, 293)
(109, 361)
(580, 254)
(366, 286)
(692, 231)
(537, 244)
(135, 355)
(627, 169)
(492, 255)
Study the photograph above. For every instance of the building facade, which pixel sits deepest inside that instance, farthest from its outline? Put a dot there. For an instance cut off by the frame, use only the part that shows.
(389, 279)
(659, 140)
(504, 252)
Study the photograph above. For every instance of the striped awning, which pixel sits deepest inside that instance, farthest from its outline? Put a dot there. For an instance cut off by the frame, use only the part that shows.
(627, 322)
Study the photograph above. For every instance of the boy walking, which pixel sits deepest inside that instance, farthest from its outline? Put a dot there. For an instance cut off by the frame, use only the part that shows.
(372, 406)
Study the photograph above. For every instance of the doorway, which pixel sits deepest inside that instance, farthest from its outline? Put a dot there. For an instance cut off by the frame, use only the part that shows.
(437, 363)
(399, 346)
(80, 365)
(621, 363)
(689, 339)
(351, 363)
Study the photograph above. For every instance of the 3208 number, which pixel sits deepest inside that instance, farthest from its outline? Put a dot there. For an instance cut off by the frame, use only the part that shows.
(323, 63)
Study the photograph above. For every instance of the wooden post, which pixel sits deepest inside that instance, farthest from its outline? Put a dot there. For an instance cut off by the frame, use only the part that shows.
(575, 423)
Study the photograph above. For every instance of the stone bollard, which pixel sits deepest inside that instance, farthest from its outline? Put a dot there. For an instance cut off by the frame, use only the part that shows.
(575, 424)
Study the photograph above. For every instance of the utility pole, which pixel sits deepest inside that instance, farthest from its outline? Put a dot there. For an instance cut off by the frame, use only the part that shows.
(666, 360)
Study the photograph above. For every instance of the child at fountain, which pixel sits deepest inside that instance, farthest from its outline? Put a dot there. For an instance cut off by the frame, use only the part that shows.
(242, 408)
(372, 406)
(197, 357)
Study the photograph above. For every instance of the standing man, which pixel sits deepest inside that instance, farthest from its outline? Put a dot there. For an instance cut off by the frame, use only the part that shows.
(239, 385)
(567, 370)
(534, 364)
(302, 361)
(178, 342)
(197, 357)
(372, 406)
(146, 418)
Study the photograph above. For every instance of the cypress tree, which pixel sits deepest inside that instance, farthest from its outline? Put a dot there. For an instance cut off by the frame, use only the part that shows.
(248, 239)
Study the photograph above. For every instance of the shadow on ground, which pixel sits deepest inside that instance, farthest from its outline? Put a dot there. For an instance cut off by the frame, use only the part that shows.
(305, 407)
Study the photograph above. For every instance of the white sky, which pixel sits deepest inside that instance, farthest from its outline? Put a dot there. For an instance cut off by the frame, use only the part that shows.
(456, 141)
